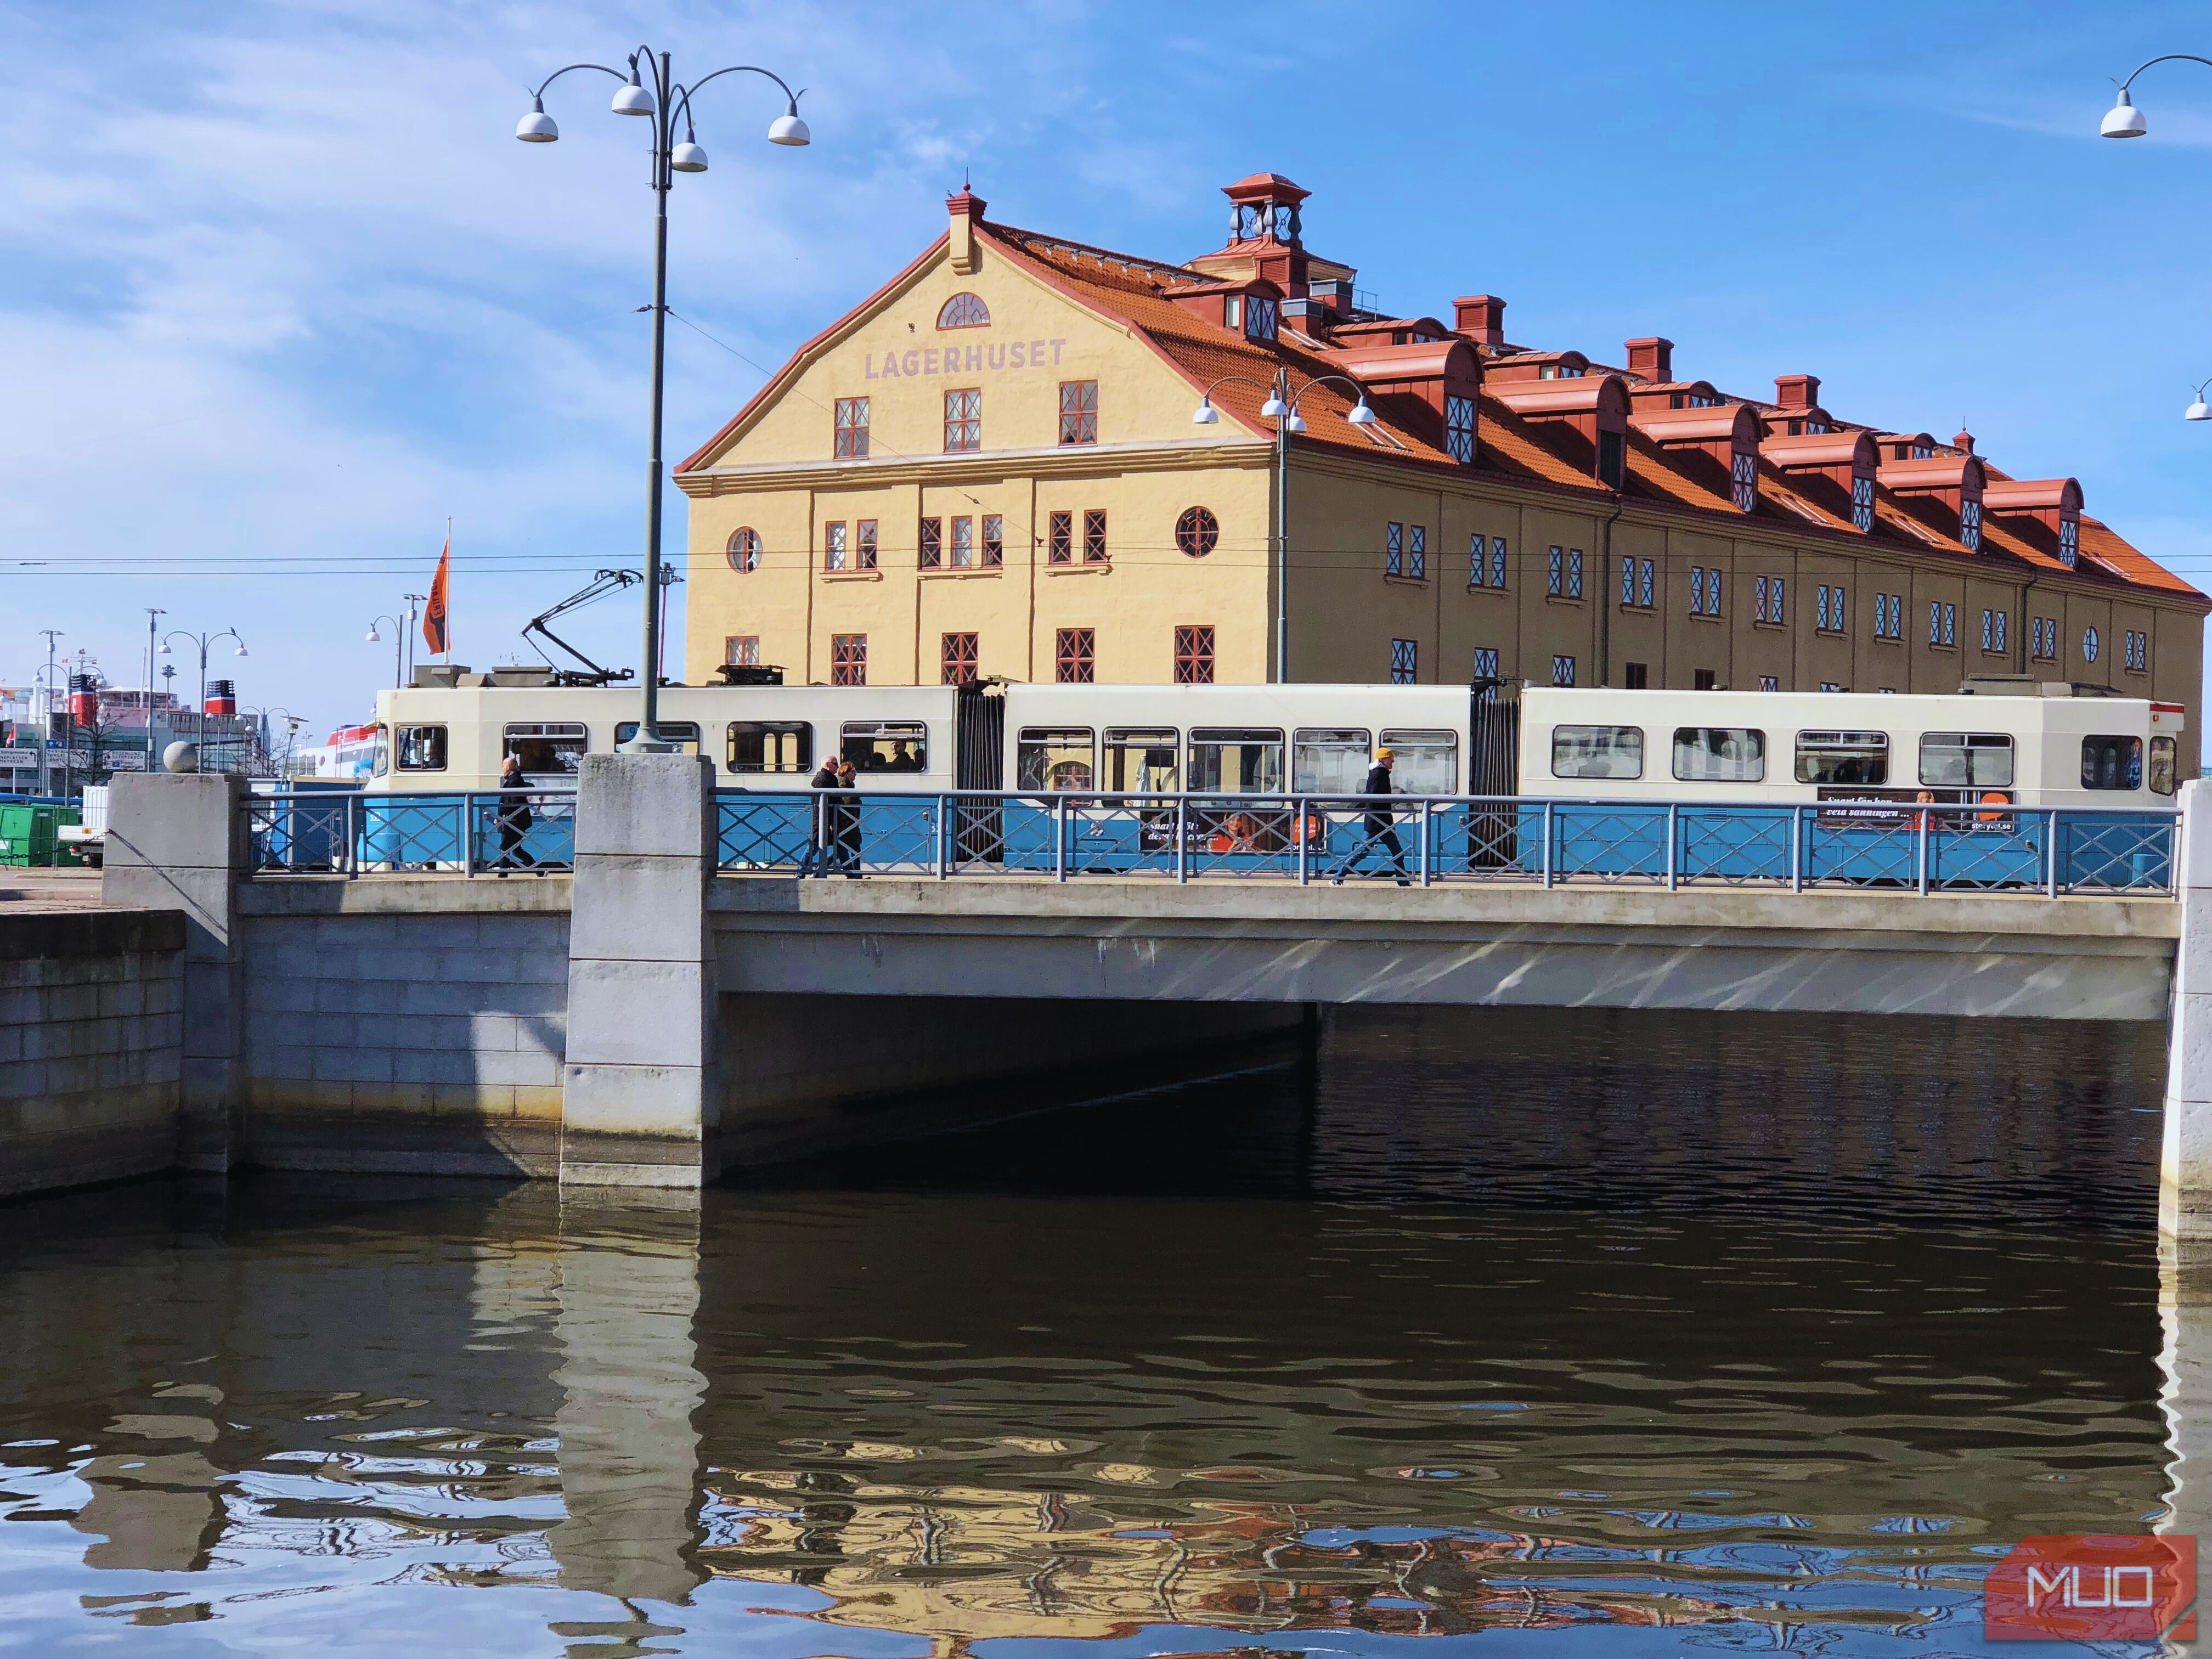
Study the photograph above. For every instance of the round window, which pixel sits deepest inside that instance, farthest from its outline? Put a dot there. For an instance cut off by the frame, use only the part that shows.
(2088, 644)
(744, 550)
(1196, 532)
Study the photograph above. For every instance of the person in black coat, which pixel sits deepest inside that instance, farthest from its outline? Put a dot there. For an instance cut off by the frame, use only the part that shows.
(846, 818)
(1379, 824)
(817, 857)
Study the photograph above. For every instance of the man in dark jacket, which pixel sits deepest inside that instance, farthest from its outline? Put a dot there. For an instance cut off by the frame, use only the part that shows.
(1379, 825)
(820, 841)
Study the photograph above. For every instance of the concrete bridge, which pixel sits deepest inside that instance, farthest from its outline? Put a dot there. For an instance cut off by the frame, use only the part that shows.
(650, 1021)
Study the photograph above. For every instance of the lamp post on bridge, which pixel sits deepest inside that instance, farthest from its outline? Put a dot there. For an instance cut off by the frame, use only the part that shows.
(203, 640)
(1282, 407)
(662, 102)
(2124, 120)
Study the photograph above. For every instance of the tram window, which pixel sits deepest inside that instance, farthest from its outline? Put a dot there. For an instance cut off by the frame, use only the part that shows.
(1719, 754)
(2111, 762)
(780, 746)
(1142, 759)
(684, 733)
(885, 746)
(421, 748)
(1966, 760)
(1597, 751)
(382, 763)
(1329, 759)
(1427, 762)
(548, 748)
(1843, 757)
(1055, 758)
(1235, 762)
(2161, 765)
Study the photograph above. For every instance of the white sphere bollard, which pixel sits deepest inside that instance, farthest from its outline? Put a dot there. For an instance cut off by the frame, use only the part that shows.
(181, 757)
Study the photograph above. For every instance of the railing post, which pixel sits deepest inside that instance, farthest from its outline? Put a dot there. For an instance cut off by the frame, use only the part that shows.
(356, 828)
(468, 834)
(1298, 834)
(1059, 838)
(1428, 820)
(1182, 839)
(1920, 841)
(1548, 843)
(1673, 822)
(2050, 853)
(1796, 849)
(943, 860)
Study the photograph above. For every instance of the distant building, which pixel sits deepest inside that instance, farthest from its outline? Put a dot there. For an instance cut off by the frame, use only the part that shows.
(990, 466)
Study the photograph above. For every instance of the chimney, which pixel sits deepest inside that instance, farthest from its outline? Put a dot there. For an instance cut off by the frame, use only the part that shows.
(1652, 358)
(1964, 442)
(1481, 318)
(1797, 391)
(967, 211)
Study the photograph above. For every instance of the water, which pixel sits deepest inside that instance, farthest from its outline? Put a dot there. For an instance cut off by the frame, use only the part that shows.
(1588, 1334)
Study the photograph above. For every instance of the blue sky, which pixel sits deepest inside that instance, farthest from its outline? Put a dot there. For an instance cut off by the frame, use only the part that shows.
(279, 293)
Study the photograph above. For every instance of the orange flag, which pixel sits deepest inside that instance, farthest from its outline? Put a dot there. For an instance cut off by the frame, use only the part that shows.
(435, 634)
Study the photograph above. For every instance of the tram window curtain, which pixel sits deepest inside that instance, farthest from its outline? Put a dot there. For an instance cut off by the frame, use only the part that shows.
(776, 747)
(1966, 760)
(1719, 754)
(1597, 751)
(1329, 760)
(1235, 762)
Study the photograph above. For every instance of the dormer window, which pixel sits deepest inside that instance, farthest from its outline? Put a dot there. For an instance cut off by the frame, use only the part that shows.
(1863, 503)
(2069, 541)
(1818, 429)
(1970, 525)
(1743, 481)
(1459, 428)
(1548, 372)
(1260, 319)
(1915, 452)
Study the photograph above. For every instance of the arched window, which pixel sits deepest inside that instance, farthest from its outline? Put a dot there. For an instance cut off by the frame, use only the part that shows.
(1196, 532)
(744, 550)
(965, 311)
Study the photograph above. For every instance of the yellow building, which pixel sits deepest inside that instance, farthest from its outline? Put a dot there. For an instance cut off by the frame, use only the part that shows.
(991, 467)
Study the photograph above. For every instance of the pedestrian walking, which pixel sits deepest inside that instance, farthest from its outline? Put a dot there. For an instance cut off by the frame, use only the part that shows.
(513, 818)
(1379, 825)
(820, 843)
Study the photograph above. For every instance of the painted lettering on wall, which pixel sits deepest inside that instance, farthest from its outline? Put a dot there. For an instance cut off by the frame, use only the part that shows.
(931, 361)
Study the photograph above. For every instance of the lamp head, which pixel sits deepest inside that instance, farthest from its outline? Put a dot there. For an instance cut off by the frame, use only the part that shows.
(1274, 408)
(788, 128)
(1205, 414)
(688, 157)
(164, 651)
(2122, 120)
(1362, 416)
(536, 127)
(242, 649)
(372, 637)
(633, 99)
(2199, 410)
(1294, 425)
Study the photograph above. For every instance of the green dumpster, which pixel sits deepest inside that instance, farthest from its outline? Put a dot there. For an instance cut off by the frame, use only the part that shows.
(26, 835)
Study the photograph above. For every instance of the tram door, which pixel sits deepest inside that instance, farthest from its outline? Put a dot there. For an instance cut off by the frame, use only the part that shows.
(1493, 769)
(980, 762)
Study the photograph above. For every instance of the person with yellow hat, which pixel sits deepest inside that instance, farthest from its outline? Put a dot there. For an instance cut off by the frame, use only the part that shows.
(1378, 825)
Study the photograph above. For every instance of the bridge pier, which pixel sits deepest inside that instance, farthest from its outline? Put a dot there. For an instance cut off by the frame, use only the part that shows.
(2184, 1197)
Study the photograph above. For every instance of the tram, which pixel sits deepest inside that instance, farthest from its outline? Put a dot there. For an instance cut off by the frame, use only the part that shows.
(1565, 764)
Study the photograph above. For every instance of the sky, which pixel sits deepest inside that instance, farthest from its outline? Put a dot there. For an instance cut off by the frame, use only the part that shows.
(280, 295)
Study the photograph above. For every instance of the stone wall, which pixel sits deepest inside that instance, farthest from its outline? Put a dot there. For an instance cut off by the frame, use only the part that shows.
(91, 1046)
(429, 1042)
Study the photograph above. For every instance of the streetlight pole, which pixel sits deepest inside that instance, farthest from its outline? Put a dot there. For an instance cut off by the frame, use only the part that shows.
(662, 103)
(46, 765)
(1282, 407)
(398, 643)
(2124, 120)
(152, 611)
(413, 600)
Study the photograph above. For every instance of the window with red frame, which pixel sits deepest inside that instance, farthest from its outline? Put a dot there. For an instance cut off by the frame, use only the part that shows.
(963, 543)
(963, 422)
(1193, 655)
(852, 444)
(1079, 411)
(933, 544)
(1197, 531)
(864, 551)
(833, 546)
(742, 649)
(849, 659)
(994, 538)
(1094, 535)
(1060, 538)
(958, 657)
(1074, 657)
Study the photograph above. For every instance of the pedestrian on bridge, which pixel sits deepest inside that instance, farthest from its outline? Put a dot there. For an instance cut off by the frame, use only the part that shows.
(820, 841)
(1379, 826)
(513, 818)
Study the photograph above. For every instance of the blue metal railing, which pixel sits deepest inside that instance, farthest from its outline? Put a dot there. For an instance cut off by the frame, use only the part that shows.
(1420, 840)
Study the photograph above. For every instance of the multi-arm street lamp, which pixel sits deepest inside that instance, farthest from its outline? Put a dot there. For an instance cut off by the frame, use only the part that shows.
(398, 642)
(2124, 120)
(203, 640)
(1282, 407)
(665, 101)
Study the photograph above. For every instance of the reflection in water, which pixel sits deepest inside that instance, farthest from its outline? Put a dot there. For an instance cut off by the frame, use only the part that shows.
(1650, 1333)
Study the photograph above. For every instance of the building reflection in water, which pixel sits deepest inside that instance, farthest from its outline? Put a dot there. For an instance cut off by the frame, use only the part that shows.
(923, 1405)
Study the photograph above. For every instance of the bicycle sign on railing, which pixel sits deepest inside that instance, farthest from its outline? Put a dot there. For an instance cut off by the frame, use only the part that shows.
(1416, 841)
